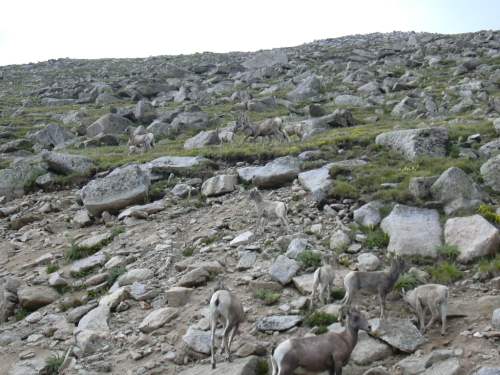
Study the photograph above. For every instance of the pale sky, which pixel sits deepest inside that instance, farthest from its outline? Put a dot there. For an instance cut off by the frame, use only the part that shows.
(38, 30)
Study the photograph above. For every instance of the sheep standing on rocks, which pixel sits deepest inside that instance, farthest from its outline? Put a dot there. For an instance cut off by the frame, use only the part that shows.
(379, 282)
(324, 277)
(433, 296)
(328, 352)
(267, 209)
(268, 128)
(141, 141)
(226, 307)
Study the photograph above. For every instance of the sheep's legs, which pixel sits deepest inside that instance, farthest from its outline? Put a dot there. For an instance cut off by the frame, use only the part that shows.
(212, 341)
(444, 313)
(421, 316)
(231, 337)
(434, 316)
(381, 299)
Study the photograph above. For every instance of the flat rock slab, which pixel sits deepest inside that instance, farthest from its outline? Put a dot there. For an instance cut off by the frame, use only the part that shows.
(140, 210)
(398, 333)
(278, 322)
(88, 263)
(304, 283)
(157, 319)
(274, 174)
(369, 350)
(188, 166)
(241, 366)
(197, 340)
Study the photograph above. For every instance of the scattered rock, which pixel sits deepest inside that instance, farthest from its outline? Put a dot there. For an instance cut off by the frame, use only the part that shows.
(278, 322)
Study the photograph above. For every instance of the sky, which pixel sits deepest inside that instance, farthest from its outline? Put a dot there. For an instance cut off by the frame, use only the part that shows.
(38, 30)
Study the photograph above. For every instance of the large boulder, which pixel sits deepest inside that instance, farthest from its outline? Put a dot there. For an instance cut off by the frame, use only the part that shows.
(34, 297)
(491, 148)
(157, 319)
(109, 124)
(309, 87)
(340, 118)
(219, 185)
(69, 164)
(415, 143)
(188, 166)
(121, 188)
(456, 190)
(144, 112)
(202, 139)
(474, 236)
(20, 177)
(274, 174)
(398, 333)
(278, 322)
(188, 121)
(413, 231)
(351, 101)
(369, 350)
(318, 182)
(284, 269)
(266, 59)
(490, 171)
(368, 215)
(51, 136)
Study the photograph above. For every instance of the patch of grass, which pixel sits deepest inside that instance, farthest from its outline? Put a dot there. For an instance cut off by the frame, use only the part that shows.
(51, 268)
(321, 320)
(309, 258)
(188, 251)
(262, 367)
(338, 293)
(117, 230)
(449, 252)
(267, 296)
(407, 281)
(375, 237)
(53, 364)
(488, 212)
(343, 190)
(82, 274)
(489, 266)
(21, 313)
(115, 273)
(445, 272)
(157, 190)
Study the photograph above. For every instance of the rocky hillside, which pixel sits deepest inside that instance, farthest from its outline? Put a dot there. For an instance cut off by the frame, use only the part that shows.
(108, 258)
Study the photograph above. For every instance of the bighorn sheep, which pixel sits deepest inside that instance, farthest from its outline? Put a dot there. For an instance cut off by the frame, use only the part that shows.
(294, 129)
(374, 282)
(143, 141)
(435, 297)
(226, 307)
(267, 128)
(267, 209)
(324, 277)
(327, 352)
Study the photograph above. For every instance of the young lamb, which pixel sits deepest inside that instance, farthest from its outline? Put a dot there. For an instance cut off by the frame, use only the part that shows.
(324, 277)
(226, 307)
(435, 297)
(267, 209)
(327, 352)
(373, 282)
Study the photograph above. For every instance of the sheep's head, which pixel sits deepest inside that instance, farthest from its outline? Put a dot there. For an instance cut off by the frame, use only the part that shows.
(357, 320)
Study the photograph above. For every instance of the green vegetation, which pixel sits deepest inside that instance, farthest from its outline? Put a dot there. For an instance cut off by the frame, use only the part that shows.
(321, 320)
(76, 252)
(262, 367)
(338, 293)
(449, 252)
(490, 266)
(188, 251)
(51, 268)
(114, 273)
(53, 364)
(445, 272)
(309, 259)
(488, 212)
(407, 281)
(267, 296)
(375, 237)
(21, 313)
